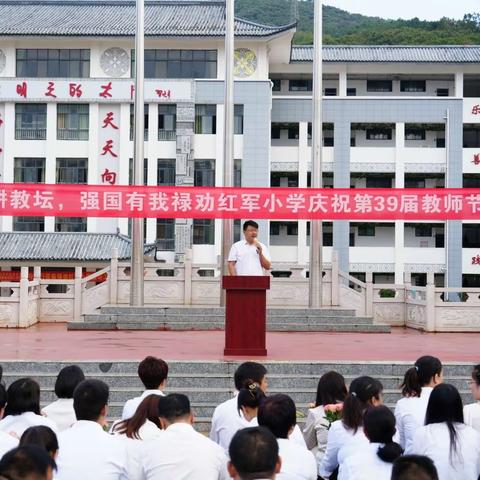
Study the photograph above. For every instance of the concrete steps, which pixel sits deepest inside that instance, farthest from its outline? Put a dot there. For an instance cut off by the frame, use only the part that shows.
(175, 318)
(208, 383)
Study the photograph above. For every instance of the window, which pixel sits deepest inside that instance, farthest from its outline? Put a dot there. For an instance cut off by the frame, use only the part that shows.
(379, 133)
(378, 182)
(293, 131)
(59, 63)
(206, 119)
(379, 86)
(284, 179)
(330, 92)
(471, 135)
(442, 92)
(30, 121)
(145, 121)
(366, 230)
(277, 84)
(326, 236)
(130, 171)
(471, 236)
(238, 120)
(179, 63)
(28, 224)
(423, 231)
(440, 143)
(72, 170)
(300, 85)
(237, 172)
(204, 176)
(167, 122)
(165, 234)
(471, 181)
(29, 170)
(413, 86)
(351, 92)
(292, 228)
(414, 134)
(328, 142)
(70, 224)
(412, 182)
(166, 172)
(72, 121)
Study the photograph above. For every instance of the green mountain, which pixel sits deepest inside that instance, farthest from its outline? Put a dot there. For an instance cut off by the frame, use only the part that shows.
(341, 27)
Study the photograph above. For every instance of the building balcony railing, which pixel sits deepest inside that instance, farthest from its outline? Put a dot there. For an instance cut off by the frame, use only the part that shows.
(145, 135)
(72, 134)
(167, 135)
(30, 133)
(165, 244)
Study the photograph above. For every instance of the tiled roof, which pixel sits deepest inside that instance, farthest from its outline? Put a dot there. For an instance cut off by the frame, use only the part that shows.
(365, 53)
(163, 18)
(63, 246)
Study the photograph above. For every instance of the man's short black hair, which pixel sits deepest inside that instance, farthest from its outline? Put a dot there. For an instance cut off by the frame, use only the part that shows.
(28, 461)
(249, 223)
(41, 436)
(173, 407)
(278, 414)
(152, 372)
(23, 395)
(3, 396)
(254, 453)
(89, 398)
(67, 380)
(414, 467)
(249, 371)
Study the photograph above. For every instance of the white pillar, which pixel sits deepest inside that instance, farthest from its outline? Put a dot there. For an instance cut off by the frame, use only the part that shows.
(6, 223)
(303, 160)
(459, 84)
(50, 157)
(93, 152)
(125, 154)
(342, 82)
(399, 183)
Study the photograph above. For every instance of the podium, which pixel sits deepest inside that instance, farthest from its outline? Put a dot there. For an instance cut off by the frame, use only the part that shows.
(245, 315)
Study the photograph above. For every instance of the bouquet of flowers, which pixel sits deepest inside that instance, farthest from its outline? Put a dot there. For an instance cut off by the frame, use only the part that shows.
(333, 412)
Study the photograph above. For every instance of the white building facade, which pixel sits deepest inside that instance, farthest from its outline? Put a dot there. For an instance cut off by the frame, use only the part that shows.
(393, 117)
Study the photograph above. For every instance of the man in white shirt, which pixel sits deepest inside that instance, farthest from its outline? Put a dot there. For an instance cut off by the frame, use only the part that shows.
(181, 453)
(279, 415)
(254, 454)
(153, 373)
(86, 451)
(249, 256)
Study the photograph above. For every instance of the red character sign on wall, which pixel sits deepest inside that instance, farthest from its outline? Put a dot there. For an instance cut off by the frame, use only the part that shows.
(106, 89)
(22, 89)
(107, 148)
(476, 260)
(476, 159)
(109, 177)
(132, 92)
(163, 93)
(50, 90)
(75, 90)
(476, 110)
(109, 120)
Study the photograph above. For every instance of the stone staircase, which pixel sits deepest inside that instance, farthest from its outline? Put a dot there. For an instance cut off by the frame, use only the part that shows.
(213, 318)
(207, 383)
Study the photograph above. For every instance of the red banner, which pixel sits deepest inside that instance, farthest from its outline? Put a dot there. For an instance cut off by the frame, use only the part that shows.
(215, 202)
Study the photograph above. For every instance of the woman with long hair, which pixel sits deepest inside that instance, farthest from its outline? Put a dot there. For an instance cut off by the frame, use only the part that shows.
(471, 412)
(145, 423)
(331, 390)
(41, 436)
(453, 446)
(249, 398)
(374, 461)
(346, 435)
(417, 386)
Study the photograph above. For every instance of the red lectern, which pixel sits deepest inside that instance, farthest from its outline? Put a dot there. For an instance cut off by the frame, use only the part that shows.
(245, 314)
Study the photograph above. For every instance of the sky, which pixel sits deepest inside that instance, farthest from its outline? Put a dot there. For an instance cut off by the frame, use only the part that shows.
(423, 9)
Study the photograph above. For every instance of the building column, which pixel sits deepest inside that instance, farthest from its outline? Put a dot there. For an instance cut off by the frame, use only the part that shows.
(459, 84)
(304, 159)
(399, 183)
(152, 166)
(93, 151)
(126, 153)
(7, 172)
(341, 179)
(342, 82)
(50, 157)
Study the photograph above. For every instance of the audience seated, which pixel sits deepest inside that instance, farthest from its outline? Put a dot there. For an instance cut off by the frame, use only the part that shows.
(346, 435)
(153, 373)
(86, 450)
(254, 454)
(414, 467)
(181, 453)
(472, 412)
(416, 388)
(279, 415)
(453, 446)
(248, 401)
(145, 423)
(41, 436)
(28, 462)
(23, 408)
(61, 411)
(7, 441)
(374, 461)
(331, 390)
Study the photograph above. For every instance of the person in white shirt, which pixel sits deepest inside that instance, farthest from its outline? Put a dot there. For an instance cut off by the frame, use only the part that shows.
(453, 446)
(7, 441)
(23, 408)
(249, 256)
(414, 467)
(145, 423)
(376, 459)
(254, 454)
(472, 412)
(28, 462)
(416, 389)
(86, 451)
(153, 373)
(181, 453)
(61, 411)
(345, 436)
(331, 390)
(279, 415)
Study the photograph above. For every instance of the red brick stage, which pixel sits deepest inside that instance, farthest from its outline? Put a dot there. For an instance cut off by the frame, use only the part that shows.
(54, 342)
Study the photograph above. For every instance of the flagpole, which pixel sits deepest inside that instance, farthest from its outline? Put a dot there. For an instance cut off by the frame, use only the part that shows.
(136, 283)
(227, 224)
(316, 240)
